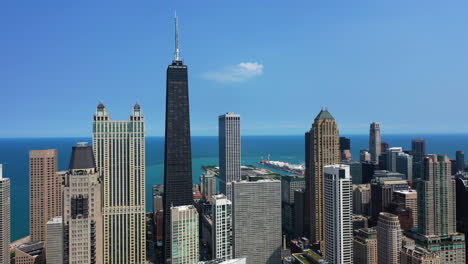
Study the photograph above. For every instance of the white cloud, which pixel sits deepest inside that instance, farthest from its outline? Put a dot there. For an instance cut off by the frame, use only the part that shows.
(237, 73)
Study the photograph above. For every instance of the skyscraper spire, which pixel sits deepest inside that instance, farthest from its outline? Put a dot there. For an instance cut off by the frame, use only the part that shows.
(176, 55)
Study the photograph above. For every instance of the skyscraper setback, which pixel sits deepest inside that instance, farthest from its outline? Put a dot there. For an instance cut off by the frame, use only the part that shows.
(229, 151)
(45, 191)
(375, 141)
(119, 151)
(178, 153)
(321, 149)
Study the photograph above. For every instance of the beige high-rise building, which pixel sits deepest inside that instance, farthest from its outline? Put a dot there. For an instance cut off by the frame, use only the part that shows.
(45, 193)
(365, 246)
(361, 199)
(119, 149)
(322, 148)
(82, 218)
(5, 216)
(409, 199)
(389, 238)
(418, 255)
(184, 239)
(54, 240)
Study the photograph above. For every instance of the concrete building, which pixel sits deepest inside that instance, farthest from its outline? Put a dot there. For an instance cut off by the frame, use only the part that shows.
(389, 238)
(5, 218)
(375, 141)
(45, 191)
(382, 189)
(460, 160)
(54, 241)
(184, 230)
(408, 199)
(119, 151)
(30, 253)
(365, 156)
(299, 196)
(256, 222)
(208, 184)
(418, 255)
(222, 231)
(361, 199)
(365, 246)
(289, 184)
(338, 212)
(82, 217)
(229, 151)
(322, 148)
(404, 165)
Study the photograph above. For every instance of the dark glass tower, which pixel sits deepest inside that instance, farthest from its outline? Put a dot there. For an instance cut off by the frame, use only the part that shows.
(178, 154)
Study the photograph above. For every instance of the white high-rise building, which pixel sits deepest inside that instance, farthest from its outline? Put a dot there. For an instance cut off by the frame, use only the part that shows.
(222, 231)
(338, 214)
(4, 218)
(229, 151)
(54, 240)
(184, 239)
(119, 149)
(375, 141)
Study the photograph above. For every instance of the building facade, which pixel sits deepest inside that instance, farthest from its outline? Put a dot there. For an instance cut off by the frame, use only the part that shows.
(375, 141)
(5, 218)
(54, 241)
(256, 207)
(365, 246)
(389, 238)
(30, 253)
(418, 255)
(321, 149)
(460, 160)
(229, 151)
(45, 193)
(222, 227)
(119, 151)
(408, 199)
(361, 199)
(184, 230)
(338, 212)
(289, 183)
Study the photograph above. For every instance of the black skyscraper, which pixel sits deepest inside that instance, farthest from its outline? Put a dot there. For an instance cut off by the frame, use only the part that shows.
(418, 147)
(345, 143)
(178, 154)
(460, 156)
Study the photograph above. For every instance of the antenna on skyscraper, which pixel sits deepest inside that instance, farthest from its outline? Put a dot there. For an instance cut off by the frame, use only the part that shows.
(177, 55)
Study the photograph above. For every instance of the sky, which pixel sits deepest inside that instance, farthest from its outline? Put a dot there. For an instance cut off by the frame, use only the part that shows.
(276, 63)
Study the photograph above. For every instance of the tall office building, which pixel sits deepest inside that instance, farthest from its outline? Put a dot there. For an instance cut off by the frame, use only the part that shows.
(389, 238)
(289, 183)
(365, 155)
(321, 149)
(119, 151)
(4, 218)
(418, 148)
(460, 160)
(45, 193)
(208, 184)
(184, 230)
(82, 217)
(178, 152)
(298, 220)
(382, 190)
(222, 231)
(361, 199)
(338, 211)
(365, 246)
(408, 199)
(54, 241)
(404, 165)
(256, 207)
(375, 141)
(229, 151)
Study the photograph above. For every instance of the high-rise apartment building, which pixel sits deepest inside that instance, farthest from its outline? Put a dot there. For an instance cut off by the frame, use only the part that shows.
(222, 228)
(82, 217)
(460, 160)
(119, 151)
(184, 230)
(177, 150)
(375, 141)
(45, 193)
(321, 149)
(408, 199)
(389, 238)
(417, 255)
(289, 183)
(361, 199)
(365, 246)
(229, 151)
(338, 211)
(54, 241)
(256, 207)
(5, 217)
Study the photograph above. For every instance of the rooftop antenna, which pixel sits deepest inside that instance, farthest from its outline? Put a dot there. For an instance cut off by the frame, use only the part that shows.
(177, 55)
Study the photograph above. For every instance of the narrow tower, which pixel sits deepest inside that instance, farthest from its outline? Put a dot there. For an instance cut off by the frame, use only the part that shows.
(375, 141)
(229, 151)
(178, 154)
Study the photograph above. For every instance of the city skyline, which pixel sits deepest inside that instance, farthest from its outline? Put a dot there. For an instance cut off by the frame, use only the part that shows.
(89, 47)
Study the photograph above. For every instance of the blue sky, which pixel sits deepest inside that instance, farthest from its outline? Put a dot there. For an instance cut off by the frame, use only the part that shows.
(403, 63)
